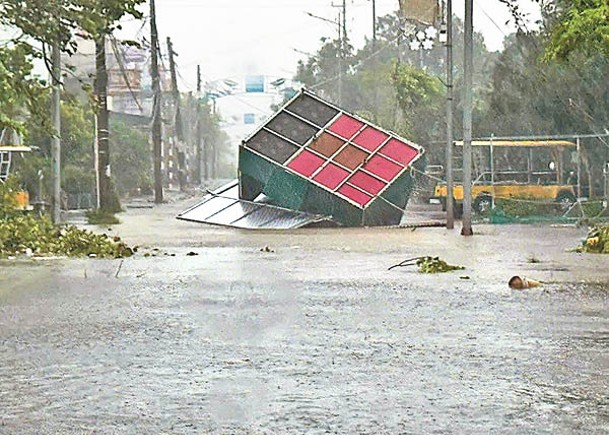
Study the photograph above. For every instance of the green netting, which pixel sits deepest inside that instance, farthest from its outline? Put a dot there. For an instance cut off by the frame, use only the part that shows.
(534, 211)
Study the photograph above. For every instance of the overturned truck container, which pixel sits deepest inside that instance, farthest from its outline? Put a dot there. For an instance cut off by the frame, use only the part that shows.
(316, 158)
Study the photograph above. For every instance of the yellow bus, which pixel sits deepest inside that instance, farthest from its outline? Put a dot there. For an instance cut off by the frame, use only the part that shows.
(499, 173)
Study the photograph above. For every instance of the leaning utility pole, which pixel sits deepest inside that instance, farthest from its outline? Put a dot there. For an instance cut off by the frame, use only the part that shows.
(450, 214)
(156, 110)
(56, 141)
(468, 63)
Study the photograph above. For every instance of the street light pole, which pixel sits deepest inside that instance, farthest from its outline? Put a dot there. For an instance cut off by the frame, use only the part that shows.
(56, 141)
(466, 229)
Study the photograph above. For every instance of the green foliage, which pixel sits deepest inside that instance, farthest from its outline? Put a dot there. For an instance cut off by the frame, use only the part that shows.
(435, 265)
(420, 97)
(583, 26)
(21, 93)
(38, 19)
(77, 132)
(131, 158)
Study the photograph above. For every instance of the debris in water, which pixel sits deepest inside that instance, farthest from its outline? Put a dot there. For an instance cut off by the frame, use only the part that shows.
(520, 283)
(428, 265)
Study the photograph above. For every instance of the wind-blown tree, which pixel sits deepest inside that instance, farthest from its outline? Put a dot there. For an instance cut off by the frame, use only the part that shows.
(38, 25)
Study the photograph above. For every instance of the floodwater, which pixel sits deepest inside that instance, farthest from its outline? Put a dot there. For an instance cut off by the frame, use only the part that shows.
(314, 337)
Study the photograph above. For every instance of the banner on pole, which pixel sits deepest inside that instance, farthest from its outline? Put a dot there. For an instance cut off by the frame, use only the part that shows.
(422, 11)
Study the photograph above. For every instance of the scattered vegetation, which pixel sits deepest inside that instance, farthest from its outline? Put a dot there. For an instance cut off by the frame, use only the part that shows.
(24, 233)
(597, 241)
(428, 265)
(101, 217)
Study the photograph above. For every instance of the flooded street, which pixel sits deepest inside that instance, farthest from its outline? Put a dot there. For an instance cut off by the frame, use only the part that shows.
(315, 336)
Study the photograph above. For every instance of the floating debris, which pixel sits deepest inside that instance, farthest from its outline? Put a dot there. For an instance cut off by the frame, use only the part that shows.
(428, 265)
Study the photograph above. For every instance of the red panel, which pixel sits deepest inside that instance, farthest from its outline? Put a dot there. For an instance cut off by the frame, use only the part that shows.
(399, 151)
(366, 182)
(306, 163)
(331, 176)
(352, 193)
(345, 126)
(370, 138)
(382, 167)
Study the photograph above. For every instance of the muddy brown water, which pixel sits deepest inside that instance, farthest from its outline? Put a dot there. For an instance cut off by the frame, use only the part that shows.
(311, 338)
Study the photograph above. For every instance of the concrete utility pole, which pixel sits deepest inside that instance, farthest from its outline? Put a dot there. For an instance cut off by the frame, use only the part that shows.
(344, 21)
(106, 194)
(466, 229)
(198, 172)
(56, 141)
(176, 93)
(156, 111)
(178, 132)
(340, 62)
(450, 214)
(373, 23)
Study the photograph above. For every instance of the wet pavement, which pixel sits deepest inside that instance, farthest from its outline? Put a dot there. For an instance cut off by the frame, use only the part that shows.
(315, 336)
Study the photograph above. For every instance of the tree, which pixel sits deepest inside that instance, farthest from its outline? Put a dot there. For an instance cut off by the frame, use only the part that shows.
(41, 24)
(583, 25)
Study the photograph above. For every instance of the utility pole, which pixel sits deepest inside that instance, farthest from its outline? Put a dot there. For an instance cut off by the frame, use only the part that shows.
(468, 63)
(176, 93)
(450, 214)
(56, 141)
(342, 44)
(198, 171)
(178, 132)
(340, 62)
(156, 111)
(344, 21)
(373, 23)
(106, 195)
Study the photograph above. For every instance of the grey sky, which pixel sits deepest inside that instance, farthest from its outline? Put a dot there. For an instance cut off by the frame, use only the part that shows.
(232, 38)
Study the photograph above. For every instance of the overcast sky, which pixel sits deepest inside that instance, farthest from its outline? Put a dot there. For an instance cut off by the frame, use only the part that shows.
(232, 38)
